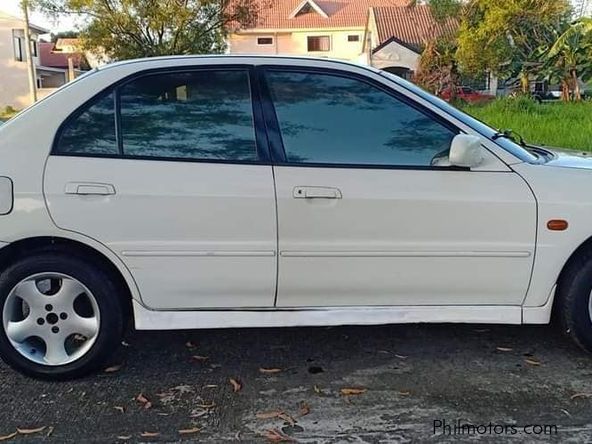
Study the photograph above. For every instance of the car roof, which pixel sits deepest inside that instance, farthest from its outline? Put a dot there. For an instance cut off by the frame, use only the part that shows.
(243, 58)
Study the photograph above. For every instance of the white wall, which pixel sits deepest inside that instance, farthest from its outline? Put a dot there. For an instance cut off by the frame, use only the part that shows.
(395, 54)
(295, 42)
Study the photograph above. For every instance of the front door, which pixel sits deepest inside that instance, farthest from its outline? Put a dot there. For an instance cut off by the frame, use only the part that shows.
(369, 213)
(166, 170)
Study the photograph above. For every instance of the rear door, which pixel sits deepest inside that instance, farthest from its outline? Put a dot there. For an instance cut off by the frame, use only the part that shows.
(168, 170)
(369, 212)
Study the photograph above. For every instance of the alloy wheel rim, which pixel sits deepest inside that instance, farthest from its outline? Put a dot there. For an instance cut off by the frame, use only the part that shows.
(51, 318)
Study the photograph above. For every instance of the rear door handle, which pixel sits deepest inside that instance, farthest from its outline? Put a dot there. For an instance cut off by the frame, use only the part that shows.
(317, 193)
(90, 188)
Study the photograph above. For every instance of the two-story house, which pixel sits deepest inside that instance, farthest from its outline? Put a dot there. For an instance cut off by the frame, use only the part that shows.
(388, 34)
(14, 81)
(322, 28)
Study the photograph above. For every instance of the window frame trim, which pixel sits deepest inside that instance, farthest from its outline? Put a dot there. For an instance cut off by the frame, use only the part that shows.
(261, 141)
(319, 51)
(276, 144)
(265, 37)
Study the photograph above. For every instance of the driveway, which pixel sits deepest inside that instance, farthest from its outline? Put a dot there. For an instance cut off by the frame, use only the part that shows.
(322, 385)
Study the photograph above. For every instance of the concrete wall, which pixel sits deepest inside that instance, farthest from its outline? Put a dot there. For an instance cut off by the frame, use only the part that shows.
(295, 42)
(14, 85)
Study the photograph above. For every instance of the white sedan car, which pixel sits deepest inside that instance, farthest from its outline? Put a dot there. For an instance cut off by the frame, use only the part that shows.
(210, 192)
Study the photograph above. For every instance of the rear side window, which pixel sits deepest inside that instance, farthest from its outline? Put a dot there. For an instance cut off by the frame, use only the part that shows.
(197, 115)
(93, 131)
(330, 119)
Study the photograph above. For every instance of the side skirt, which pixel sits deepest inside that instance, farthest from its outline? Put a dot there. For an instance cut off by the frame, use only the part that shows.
(146, 319)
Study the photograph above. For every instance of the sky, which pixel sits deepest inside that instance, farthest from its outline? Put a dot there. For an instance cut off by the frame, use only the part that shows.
(64, 24)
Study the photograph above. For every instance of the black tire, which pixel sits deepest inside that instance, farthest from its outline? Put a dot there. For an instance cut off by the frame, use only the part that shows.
(105, 292)
(573, 300)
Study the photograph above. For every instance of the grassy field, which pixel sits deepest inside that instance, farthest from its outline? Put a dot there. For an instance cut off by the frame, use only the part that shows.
(557, 124)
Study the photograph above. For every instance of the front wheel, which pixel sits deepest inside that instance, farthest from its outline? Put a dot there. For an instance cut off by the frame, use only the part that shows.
(61, 316)
(574, 300)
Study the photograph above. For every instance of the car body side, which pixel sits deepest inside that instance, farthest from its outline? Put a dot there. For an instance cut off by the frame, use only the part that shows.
(560, 193)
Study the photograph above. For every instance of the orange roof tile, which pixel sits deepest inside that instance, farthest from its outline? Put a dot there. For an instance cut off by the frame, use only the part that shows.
(340, 13)
(413, 26)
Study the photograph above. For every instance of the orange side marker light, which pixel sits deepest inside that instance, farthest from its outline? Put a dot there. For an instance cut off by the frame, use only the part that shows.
(557, 225)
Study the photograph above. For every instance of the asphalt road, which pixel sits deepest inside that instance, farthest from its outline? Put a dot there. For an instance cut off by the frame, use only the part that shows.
(404, 378)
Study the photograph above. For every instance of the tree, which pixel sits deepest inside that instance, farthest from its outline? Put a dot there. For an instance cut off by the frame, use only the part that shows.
(502, 36)
(570, 58)
(124, 29)
(438, 69)
(64, 35)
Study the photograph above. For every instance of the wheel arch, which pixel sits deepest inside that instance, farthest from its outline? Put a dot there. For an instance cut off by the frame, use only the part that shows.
(82, 248)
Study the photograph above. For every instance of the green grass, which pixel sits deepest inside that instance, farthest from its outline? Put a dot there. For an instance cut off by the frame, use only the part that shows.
(556, 124)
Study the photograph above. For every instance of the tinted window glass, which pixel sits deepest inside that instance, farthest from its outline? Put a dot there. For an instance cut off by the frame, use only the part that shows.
(93, 131)
(338, 120)
(195, 115)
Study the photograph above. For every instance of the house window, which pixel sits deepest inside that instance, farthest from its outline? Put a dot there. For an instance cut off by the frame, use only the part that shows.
(353, 38)
(34, 47)
(19, 50)
(264, 41)
(319, 43)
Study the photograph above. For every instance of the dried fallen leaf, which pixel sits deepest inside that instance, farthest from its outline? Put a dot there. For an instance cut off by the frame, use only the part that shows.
(124, 437)
(125, 344)
(112, 369)
(504, 349)
(352, 391)
(532, 362)
(275, 435)
(270, 371)
(49, 431)
(209, 406)
(183, 389)
(119, 408)
(149, 434)
(404, 393)
(317, 390)
(9, 436)
(30, 431)
(304, 409)
(190, 344)
(210, 386)
(287, 418)
(581, 395)
(199, 414)
(143, 400)
(236, 386)
(269, 415)
(401, 356)
(189, 431)
(200, 358)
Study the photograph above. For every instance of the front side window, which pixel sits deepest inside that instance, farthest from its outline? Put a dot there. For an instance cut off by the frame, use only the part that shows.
(319, 43)
(330, 119)
(199, 115)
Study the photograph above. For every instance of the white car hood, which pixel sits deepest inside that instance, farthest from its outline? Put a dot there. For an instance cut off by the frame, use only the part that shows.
(570, 159)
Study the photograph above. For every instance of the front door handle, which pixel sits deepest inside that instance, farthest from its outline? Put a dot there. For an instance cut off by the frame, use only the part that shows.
(89, 189)
(317, 193)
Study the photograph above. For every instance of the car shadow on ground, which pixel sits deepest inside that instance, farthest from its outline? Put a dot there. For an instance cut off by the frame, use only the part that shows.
(326, 385)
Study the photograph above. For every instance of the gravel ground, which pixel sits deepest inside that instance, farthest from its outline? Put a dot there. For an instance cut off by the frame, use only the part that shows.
(403, 379)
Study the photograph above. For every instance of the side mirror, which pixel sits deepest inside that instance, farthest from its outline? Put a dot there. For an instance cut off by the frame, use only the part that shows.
(466, 151)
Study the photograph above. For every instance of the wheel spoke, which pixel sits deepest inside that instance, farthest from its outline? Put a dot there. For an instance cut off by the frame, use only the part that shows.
(55, 353)
(87, 327)
(29, 293)
(68, 292)
(20, 330)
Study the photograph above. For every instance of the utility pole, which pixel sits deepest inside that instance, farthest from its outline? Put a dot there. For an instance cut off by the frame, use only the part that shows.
(29, 53)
